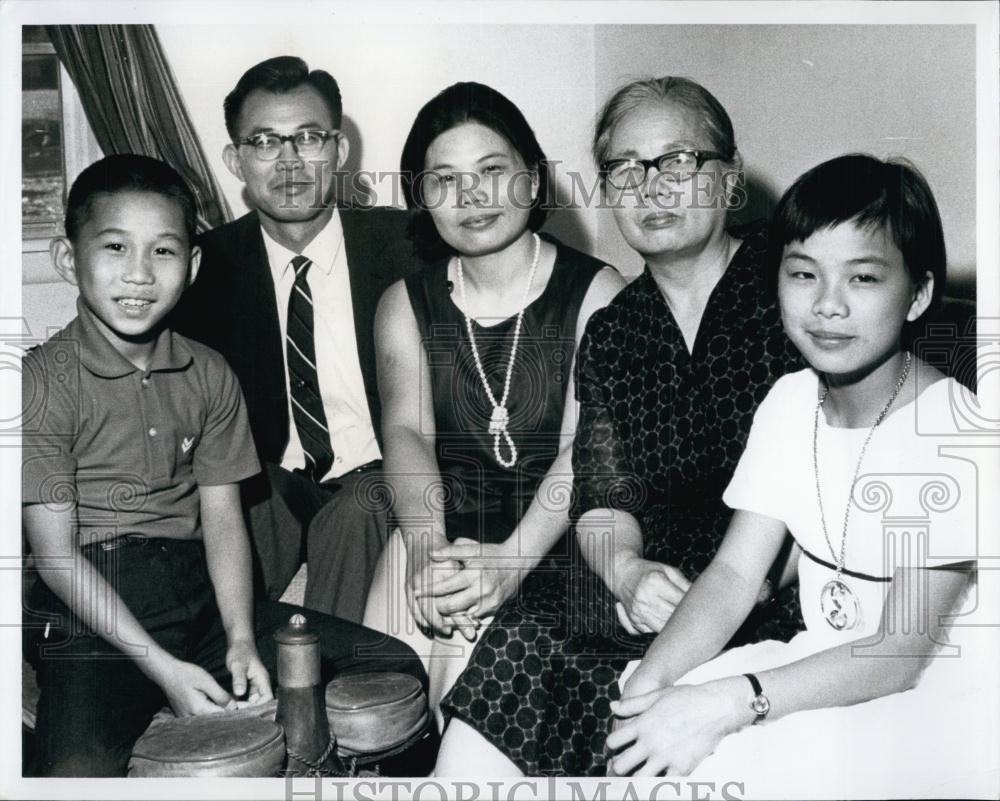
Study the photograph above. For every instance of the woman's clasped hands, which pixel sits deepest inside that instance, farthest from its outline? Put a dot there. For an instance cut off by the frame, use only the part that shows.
(462, 582)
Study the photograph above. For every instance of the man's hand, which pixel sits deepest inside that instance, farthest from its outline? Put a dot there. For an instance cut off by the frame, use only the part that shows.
(249, 674)
(190, 689)
(648, 593)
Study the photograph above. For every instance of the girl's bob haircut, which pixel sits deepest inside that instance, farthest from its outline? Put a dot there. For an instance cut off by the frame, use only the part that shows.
(871, 194)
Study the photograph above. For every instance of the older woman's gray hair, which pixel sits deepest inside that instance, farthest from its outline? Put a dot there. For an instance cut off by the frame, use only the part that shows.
(713, 117)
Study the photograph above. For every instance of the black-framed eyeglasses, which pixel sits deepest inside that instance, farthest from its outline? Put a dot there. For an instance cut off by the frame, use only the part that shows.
(267, 146)
(675, 165)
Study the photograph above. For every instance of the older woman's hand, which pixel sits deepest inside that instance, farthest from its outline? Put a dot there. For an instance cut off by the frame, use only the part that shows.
(647, 593)
(672, 730)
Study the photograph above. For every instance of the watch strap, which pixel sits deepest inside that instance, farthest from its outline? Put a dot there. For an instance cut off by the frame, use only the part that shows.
(760, 703)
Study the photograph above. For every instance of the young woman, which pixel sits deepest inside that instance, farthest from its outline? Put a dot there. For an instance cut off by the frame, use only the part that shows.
(475, 358)
(847, 455)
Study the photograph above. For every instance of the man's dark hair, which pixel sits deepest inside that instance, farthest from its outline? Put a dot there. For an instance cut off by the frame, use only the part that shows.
(872, 194)
(461, 103)
(127, 172)
(280, 75)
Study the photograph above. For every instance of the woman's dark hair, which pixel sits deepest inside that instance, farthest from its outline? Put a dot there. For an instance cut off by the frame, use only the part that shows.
(280, 75)
(461, 103)
(127, 172)
(872, 194)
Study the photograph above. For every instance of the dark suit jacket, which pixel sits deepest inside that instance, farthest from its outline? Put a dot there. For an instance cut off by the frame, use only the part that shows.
(232, 307)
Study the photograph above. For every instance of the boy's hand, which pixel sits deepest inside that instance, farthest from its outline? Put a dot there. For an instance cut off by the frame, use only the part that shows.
(191, 690)
(249, 673)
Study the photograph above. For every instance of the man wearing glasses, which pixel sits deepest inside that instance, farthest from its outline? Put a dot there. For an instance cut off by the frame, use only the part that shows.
(287, 294)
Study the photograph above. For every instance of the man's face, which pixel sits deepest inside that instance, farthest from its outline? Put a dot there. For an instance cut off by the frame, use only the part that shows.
(287, 189)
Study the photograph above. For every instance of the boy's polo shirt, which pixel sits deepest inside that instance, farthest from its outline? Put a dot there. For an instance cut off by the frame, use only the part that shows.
(130, 448)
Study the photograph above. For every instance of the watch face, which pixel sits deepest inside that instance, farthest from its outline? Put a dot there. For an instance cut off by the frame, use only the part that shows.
(760, 705)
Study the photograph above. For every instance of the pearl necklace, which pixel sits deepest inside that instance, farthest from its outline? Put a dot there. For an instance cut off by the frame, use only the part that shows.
(500, 418)
(837, 600)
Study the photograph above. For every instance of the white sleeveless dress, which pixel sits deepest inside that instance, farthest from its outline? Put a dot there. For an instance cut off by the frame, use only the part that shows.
(928, 478)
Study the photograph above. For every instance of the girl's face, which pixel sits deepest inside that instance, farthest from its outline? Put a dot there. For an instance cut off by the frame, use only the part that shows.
(477, 188)
(845, 293)
(661, 216)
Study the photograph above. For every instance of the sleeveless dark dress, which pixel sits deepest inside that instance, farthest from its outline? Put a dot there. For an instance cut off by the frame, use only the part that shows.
(659, 435)
(484, 500)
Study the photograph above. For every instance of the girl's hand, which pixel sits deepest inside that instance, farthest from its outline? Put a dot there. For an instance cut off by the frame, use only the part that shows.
(670, 731)
(642, 681)
(490, 575)
(648, 593)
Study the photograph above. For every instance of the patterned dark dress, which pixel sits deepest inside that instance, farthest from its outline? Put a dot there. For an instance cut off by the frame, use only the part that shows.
(659, 435)
(482, 499)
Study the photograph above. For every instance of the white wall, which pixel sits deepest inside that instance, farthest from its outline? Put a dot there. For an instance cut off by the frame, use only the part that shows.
(801, 94)
(387, 73)
(797, 95)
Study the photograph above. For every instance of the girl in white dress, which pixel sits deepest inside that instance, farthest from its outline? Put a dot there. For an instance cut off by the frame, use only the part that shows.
(865, 458)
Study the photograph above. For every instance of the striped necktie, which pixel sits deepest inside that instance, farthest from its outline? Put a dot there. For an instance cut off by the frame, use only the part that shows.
(307, 403)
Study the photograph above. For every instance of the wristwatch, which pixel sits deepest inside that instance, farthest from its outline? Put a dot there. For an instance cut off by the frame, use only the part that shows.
(759, 703)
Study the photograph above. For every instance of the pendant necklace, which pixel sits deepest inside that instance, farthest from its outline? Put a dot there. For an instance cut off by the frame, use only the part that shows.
(840, 606)
(499, 418)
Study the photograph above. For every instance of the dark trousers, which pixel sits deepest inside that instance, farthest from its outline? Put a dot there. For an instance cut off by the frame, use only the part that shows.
(95, 702)
(338, 527)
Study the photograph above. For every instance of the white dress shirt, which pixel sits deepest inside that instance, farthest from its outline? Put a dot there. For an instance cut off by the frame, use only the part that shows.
(338, 369)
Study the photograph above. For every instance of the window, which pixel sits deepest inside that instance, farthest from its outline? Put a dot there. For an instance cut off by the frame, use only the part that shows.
(56, 141)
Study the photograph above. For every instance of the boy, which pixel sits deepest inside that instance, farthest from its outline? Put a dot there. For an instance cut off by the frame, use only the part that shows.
(135, 440)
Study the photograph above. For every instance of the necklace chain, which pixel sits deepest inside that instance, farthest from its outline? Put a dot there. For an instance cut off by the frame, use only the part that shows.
(500, 418)
(840, 559)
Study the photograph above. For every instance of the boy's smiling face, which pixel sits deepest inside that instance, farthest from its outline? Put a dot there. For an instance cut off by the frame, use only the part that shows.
(131, 260)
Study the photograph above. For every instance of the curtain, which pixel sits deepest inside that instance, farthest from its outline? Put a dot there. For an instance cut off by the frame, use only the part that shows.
(133, 105)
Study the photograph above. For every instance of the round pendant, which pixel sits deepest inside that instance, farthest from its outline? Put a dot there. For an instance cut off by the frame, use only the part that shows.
(840, 606)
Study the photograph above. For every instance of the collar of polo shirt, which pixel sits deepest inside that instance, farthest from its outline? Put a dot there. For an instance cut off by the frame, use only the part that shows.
(100, 357)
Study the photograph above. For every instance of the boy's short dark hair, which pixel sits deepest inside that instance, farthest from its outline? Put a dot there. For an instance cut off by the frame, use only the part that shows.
(461, 103)
(127, 172)
(280, 75)
(872, 194)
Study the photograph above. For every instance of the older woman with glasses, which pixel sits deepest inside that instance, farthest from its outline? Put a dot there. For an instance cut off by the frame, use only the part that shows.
(668, 377)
